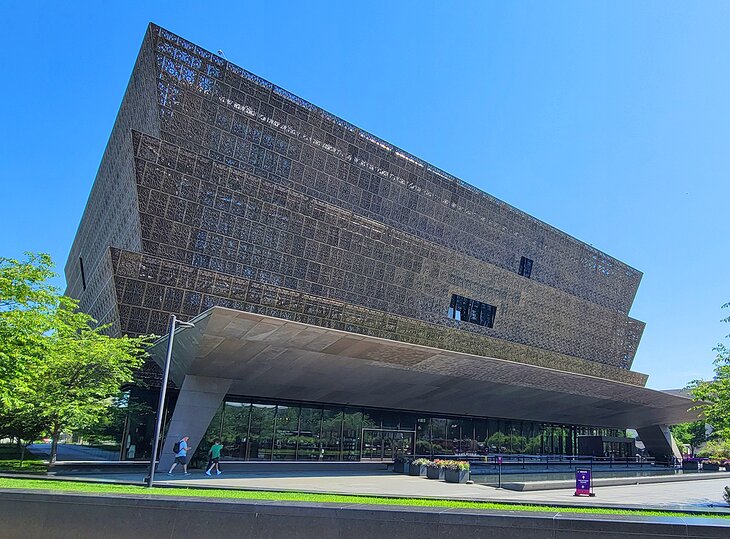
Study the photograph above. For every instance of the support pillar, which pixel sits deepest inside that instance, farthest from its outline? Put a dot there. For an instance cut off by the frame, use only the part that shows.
(198, 401)
(659, 443)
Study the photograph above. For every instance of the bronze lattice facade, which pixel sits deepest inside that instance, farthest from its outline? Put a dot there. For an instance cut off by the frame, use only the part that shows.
(220, 188)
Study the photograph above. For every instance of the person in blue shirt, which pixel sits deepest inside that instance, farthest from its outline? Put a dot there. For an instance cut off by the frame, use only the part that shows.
(181, 456)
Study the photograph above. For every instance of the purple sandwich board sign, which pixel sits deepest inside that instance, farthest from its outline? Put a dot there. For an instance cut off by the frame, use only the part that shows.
(583, 483)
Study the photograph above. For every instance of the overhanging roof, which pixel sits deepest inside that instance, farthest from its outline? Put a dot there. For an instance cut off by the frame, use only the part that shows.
(269, 357)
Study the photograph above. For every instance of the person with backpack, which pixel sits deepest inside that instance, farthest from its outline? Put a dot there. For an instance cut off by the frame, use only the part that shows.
(181, 450)
(214, 456)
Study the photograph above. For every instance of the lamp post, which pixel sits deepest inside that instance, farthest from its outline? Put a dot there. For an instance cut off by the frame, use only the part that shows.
(163, 393)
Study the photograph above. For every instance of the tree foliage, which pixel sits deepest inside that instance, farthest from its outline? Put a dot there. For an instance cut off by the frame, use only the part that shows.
(55, 360)
(717, 449)
(692, 434)
(714, 395)
(27, 304)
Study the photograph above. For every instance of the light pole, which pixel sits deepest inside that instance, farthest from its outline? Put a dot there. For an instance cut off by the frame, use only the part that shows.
(163, 393)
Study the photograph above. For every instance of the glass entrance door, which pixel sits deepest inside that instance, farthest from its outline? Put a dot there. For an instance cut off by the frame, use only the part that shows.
(380, 444)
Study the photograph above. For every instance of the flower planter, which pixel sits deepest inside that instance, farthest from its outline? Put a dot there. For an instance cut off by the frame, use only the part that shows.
(400, 467)
(434, 472)
(417, 470)
(456, 476)
(690, 465)
(706, 467)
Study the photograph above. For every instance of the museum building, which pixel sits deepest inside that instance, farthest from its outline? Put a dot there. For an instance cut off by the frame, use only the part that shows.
(350, 301)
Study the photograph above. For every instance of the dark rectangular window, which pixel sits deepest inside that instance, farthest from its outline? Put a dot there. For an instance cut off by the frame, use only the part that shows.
(83, 276)
(525, 267)
(472, 311)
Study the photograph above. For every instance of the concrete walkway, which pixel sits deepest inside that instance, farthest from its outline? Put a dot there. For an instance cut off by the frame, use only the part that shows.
(681, 495)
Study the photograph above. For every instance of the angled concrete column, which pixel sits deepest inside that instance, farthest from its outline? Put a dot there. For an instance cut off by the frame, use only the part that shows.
(197, 403)
(659, 443)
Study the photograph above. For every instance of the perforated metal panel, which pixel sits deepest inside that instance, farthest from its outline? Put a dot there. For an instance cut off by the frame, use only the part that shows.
(243, 195)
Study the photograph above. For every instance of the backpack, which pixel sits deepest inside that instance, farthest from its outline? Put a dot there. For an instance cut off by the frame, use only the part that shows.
(176, 447)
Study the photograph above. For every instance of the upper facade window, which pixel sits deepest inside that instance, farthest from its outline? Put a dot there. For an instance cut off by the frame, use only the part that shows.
(83, 275)
(472, 311)
(525, 267)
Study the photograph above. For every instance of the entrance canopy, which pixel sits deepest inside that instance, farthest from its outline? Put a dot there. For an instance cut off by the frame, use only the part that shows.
(267, 357)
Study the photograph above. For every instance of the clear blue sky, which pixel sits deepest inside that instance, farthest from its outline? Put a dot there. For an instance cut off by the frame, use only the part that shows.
(609, 120)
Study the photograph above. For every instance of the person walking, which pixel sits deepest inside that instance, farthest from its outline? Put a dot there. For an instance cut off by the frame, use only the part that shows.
(214, 454)
(181, 451)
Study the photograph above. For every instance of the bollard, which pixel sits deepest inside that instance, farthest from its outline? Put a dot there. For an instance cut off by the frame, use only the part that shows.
(499, 462)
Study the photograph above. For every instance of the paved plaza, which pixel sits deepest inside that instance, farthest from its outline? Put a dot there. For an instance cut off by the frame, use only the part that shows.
(704, 494)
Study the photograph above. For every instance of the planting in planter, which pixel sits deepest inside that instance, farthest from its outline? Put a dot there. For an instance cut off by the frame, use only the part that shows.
(455, 471)
(711, 466)
(456, 476)
(418, 467)
(434, 470)
(401, 464)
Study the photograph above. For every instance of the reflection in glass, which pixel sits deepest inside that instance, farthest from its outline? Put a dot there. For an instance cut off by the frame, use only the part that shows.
(371, 419)
(310, 429)
(423, 437)
(257, 431)
(261, 432)
(454, 436)
(518, 439)
(438, 437)
(498, 441)
(407, 422)
(481, 436)
(390, 420)
(287, 430)
(213, 432)
(234, 430)
(368, 421)
(533, 439)
(397, 443)
(351, 432)
(372, 444)
(331, 434)
(467, 443)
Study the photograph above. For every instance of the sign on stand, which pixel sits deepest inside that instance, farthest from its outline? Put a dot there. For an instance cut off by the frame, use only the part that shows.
(584, 483)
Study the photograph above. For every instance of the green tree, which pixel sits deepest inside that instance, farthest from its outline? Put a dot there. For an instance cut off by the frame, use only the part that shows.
(716, 449)
(56, 359)
(25, 425)
(27, 303)
(692, 434)
(499, 442)
(713, 396)
(533, 445)
(125, 409)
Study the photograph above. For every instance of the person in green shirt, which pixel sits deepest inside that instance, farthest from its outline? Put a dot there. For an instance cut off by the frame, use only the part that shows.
(214, 456)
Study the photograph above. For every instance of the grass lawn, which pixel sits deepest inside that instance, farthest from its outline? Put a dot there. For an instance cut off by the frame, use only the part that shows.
(100, 488)
(10, 461)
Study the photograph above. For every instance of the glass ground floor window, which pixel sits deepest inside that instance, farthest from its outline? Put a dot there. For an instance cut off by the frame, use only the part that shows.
(277, 430)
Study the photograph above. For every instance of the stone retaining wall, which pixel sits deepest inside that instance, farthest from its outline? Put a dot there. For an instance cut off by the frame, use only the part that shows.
(42, 515)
